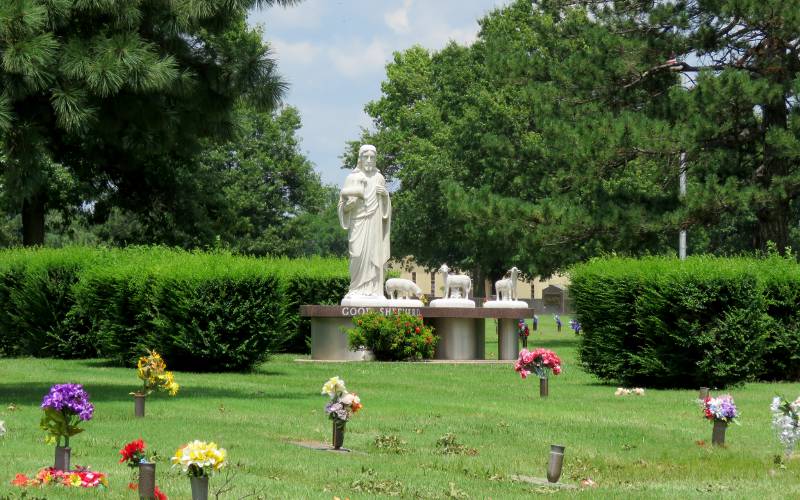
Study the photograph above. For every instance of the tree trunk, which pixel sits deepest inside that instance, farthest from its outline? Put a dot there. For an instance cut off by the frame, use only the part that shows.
(774, 215)
(33, 209)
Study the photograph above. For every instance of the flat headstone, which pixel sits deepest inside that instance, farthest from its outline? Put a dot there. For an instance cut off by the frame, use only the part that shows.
(320, 446)
(542, 481)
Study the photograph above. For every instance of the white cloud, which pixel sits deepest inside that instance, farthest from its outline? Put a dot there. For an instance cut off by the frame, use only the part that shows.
(354, 60)
(397, 20)
(294, 53)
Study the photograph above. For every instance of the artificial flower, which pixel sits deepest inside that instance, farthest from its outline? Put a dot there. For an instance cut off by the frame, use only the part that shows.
(199, 458)
(333, 387)
(133, 453)
(152, 371)
(720, 408)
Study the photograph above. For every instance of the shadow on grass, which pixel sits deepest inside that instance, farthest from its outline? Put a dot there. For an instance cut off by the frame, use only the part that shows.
(550, 342)
(107, 363)
(33, 392)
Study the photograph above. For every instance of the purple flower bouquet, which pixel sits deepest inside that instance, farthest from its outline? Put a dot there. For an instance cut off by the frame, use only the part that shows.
(64, 407)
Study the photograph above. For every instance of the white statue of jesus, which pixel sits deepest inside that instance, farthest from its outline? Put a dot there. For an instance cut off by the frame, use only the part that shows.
(365, 211)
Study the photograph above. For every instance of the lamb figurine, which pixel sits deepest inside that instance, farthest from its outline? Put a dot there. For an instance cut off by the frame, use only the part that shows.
(506, 289)
(461, 283)
(398, 288)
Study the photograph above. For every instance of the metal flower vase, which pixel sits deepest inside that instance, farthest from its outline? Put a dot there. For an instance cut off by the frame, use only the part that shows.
(62, 458)
(338, 433)
(138, 405)
(199, 487)
(718, 433)
(544, 387)
(524, 342)
(556, 463)
(147, 481)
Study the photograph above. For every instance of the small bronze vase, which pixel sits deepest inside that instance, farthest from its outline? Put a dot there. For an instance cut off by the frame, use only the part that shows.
(138, 405)
(338, 433)
(544, 389)
(147, 481)
(199, 487)
(555, 463)
(62, 458)
(718, 434)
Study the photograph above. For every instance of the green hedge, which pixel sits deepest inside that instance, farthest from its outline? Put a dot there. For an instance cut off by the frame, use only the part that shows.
(202, 311)
(705, 321)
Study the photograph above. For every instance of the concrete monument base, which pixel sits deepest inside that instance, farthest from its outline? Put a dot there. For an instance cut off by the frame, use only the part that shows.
(464, 303)
(461, 330)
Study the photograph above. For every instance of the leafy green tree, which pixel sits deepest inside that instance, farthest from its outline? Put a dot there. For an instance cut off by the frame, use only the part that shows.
(557, 135)
(118, 92)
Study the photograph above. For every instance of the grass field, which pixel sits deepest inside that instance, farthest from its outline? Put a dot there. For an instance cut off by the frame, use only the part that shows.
(632, 447)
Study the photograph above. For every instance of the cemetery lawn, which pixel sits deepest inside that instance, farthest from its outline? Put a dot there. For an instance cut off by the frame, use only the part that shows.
(631, 447)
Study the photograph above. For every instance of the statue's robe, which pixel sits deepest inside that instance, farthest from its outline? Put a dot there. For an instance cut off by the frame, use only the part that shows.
(368, 224)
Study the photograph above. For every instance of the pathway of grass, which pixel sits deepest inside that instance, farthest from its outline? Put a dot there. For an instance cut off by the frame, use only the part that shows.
(632, 447)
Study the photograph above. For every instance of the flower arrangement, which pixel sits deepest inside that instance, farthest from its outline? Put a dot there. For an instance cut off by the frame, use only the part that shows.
(575, 325)
(539, 361)
(199, 459)
(621, 391)
(393, 337)
(133, 453)
(786, 421)
(535, 322)
(343, 404)
(557, 319)
(81, 477)
(64, 406)
(522, 329)
(720, 408)
(152, 371)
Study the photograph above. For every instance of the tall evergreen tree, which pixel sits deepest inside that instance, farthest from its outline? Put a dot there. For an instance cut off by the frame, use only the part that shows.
(119, 90)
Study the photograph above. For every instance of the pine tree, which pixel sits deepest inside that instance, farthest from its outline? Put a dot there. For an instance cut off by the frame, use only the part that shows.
(118, 90)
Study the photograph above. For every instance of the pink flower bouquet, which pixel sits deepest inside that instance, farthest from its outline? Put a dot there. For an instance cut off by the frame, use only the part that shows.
(539, 361)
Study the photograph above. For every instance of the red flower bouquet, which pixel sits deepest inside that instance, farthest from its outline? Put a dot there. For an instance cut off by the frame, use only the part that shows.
(539, 361)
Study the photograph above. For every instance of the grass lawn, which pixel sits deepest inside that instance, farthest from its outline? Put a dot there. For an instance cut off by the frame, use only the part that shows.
(632, 447)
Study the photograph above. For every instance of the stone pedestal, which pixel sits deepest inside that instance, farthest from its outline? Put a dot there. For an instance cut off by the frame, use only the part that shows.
(461, 303)
(508, 339)
(461, 331)
(329, 340)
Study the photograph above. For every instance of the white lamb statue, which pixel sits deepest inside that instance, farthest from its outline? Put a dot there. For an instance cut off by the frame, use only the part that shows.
(506, 289)
(398, 288)
(461, 284)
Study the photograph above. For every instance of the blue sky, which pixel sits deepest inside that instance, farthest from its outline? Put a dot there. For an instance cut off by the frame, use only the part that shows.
(333, 54)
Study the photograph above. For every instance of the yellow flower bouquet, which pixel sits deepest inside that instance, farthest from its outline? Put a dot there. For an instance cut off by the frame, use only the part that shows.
(198, 458)
(152, 371)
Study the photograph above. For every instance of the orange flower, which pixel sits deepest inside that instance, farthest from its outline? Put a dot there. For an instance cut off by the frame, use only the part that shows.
(20, 480)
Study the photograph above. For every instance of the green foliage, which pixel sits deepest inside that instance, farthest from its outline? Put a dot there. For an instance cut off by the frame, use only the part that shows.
(201, 311)
(57, 425)
(121, 92)
(39, 315)
(705, 321)
(396, 337)
(557, 135)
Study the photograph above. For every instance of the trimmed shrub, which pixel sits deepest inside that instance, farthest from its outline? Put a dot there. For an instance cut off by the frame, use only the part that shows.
(704, 321)
(39, 317)
(396, 337)
(202, 311)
